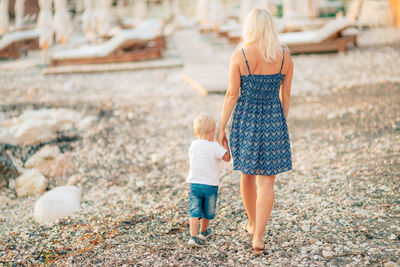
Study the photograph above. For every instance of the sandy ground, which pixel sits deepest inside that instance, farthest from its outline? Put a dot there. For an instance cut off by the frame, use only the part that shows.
(339, 205)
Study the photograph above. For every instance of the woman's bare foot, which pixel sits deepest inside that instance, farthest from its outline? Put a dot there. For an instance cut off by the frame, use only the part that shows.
(259, 247)
(247, 227)
(258, 251)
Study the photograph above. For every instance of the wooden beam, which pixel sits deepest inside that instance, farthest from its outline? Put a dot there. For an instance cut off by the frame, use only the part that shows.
(144, 54)
(195, 85)
(112, 67)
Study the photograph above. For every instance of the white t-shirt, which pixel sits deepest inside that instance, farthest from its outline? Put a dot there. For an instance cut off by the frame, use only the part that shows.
(204, 162)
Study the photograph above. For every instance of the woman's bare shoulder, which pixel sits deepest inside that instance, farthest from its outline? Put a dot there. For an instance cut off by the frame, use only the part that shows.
(237, 55)
(237, 52)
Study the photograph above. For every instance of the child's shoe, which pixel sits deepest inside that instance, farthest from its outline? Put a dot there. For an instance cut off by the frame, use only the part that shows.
(194, 241)
(205, 235)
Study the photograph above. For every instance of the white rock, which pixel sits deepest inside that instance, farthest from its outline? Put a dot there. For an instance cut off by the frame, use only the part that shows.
(5, 135)
(331, 116)
(391, 264)
(36, 125)
(327, 254)
(86, 122)
(43, 155)
(32, 182)
(3, 201)
(140, 184)
(11, 183)
(392, 237)
(74, 179)
(57, 203)
(157, 158)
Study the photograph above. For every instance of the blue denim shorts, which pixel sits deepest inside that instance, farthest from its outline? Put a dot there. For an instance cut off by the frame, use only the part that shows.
(203, 201)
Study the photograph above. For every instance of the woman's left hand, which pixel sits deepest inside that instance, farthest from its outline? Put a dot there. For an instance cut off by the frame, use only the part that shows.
(221, 138)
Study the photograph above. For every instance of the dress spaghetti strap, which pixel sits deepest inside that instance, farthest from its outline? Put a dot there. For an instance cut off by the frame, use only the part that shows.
(283, 59)
(246, 61)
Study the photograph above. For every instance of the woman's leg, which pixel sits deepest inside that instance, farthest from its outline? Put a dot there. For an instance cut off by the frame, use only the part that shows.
(249, 198)
(265, 201)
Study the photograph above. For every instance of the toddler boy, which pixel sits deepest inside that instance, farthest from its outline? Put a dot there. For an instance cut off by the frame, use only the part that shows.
(205, 154)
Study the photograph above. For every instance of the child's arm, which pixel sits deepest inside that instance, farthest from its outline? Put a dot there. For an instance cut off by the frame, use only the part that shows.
(227, 155)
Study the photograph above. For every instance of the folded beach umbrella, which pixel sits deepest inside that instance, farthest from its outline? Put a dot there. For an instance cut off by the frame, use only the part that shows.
(88, 20)
(79, 6)
(103, 17)
(247, 5)
(217, 13)
(166, 8)
(170, 8)
(62, 21)
(19, 8)
(139, 10)
(203, 12)
(45, 24)
(4, 17)
(299, 8)
(175, 7)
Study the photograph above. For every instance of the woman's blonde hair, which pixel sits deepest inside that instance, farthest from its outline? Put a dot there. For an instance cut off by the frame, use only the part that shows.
(259, 29)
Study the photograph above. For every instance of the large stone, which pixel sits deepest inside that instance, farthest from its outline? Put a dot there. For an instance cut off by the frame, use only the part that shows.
(35, 126)
(74, 179)
(31, 182)
(57, 203)
(4, 201)
(7, 169)
(327, 254)
(45, 154)
(57, 167)
(50, 161)
(157, 158)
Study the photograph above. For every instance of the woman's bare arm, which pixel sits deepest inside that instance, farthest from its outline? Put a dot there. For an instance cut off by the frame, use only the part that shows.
(232, 94)
(287, 84)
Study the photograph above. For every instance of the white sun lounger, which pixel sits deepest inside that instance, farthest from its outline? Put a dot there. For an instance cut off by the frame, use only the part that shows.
(329, 37)
(14, 43)
(234, 31)
(143, 42)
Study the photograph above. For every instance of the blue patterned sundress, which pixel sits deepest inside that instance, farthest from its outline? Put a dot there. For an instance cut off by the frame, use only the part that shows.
(259, 138)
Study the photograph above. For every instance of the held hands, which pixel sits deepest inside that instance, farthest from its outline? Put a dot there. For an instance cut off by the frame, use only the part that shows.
(222, 139)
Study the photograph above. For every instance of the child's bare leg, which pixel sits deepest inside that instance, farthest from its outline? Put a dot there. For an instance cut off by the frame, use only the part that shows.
(194, 226)
(203, 224)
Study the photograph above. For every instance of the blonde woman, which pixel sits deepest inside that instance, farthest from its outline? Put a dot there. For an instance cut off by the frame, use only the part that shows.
(259, 136)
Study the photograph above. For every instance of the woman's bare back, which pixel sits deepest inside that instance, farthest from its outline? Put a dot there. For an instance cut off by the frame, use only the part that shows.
(258, 65)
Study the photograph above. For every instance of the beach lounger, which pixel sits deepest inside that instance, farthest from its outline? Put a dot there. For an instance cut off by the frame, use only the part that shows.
(223, 30)
(234, 31)
(330, 37)
(141, 43)
(13, 44)
(235, 36)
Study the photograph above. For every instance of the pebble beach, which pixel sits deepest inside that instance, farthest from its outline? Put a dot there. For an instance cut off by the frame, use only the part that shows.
(127, 153)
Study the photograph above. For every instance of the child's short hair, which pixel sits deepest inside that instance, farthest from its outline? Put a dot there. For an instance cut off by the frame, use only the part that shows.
(204, 124)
